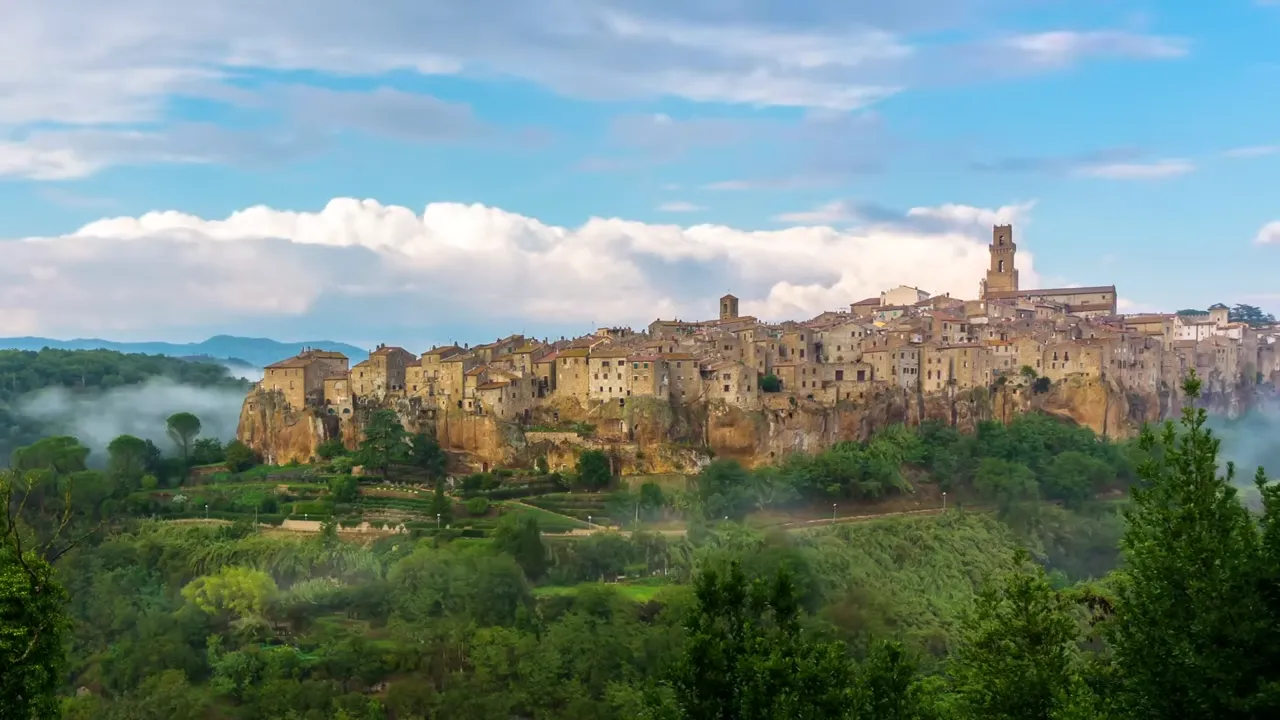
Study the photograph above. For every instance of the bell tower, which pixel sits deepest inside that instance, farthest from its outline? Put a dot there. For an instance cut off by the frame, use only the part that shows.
(1002, 275)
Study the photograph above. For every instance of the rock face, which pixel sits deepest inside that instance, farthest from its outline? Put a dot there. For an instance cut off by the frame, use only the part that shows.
(651, 436)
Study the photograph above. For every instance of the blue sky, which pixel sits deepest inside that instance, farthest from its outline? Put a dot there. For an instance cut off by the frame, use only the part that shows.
(1132, 143)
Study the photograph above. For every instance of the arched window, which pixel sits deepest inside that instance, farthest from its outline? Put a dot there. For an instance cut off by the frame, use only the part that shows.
(1001, 266)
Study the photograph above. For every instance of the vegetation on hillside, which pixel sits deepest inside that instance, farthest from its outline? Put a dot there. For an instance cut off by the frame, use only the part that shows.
(1035, 595)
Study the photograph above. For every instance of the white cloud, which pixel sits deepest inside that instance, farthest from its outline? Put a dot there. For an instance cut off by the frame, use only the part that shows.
(680, 206)
(355, 260)
(1253, 151)
(838, 211)
(1269, 234)
(1065, 48)
(1138, 171)
(121, 62)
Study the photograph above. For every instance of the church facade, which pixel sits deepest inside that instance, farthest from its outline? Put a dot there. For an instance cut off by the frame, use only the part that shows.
(1001, 283)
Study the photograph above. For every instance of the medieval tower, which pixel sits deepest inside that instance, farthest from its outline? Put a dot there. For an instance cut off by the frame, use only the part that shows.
(1002, 275)
(728, 307)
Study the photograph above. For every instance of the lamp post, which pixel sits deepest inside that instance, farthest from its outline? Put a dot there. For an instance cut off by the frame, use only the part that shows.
(437, 521)
(944, 499)
(206, 511)
(833, 512)
(589, 525)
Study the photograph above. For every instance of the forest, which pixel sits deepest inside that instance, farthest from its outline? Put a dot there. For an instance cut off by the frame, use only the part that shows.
(1066, 577)
(86, 373)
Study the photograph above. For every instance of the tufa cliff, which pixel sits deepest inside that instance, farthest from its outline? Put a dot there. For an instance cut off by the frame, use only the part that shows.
(655, 436)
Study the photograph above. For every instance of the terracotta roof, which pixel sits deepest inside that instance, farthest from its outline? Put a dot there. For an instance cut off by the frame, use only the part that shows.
(495, 385)
(293, 362)
(610, 353)
(573, 352)
(473, 372)
(389, 350)
(648, 357)
(679, 356)
(549, 357)
(868, 301)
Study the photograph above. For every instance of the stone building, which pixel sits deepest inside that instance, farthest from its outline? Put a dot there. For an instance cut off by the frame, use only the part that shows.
(301, 378)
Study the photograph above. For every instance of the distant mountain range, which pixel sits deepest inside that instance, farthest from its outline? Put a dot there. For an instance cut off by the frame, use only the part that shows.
(227, 349)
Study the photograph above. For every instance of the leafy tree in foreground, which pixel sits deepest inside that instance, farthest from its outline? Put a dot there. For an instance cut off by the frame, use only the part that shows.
(383, 443)
(32, 617)
(183, 428)
(745, 657)
(1017, 658)
(1197, 626)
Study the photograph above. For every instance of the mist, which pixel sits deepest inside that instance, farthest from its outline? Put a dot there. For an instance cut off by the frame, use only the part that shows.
(252, 374)
(139, 410)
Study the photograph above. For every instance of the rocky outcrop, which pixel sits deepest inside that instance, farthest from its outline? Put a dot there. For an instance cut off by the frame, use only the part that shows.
(650, 436)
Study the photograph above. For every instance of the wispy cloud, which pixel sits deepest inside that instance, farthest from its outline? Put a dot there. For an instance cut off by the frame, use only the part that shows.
(1253, 151)
(679, 206)
(1138, 171)
(1064, 48)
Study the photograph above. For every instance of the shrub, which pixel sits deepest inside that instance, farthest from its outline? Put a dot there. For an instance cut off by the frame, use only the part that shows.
(477, 506)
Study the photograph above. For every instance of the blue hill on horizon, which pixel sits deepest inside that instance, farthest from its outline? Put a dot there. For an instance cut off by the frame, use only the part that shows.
(257, 352)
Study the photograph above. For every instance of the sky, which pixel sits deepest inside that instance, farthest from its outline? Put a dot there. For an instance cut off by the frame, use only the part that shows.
(426, 171)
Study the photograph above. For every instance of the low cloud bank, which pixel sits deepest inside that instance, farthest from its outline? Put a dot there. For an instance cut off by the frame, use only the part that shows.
(139, 410)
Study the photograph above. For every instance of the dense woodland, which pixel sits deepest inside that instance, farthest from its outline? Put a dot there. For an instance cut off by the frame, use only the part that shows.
(1069, 577)
(86, 372)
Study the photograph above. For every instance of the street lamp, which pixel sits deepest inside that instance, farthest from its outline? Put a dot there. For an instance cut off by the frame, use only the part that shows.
(206, 511)
(437, 521)
(589, 525)
(833, 512)
(944, 499)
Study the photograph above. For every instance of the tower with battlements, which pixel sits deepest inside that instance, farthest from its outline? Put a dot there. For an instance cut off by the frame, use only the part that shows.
(1002, 275)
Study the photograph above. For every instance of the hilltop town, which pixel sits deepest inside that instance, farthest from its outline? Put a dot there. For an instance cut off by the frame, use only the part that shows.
(905, 340)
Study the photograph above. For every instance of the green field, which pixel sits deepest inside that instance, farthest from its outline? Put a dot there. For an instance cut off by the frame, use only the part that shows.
(639, 590)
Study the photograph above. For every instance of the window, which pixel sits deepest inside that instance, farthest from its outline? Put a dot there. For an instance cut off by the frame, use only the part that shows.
(862, 375)
(646, 366)
(1001, 266)
(635, 365)
(726, 388)
(839, 375)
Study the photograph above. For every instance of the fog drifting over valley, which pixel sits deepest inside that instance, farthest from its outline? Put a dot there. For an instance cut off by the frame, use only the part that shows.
(139, 410)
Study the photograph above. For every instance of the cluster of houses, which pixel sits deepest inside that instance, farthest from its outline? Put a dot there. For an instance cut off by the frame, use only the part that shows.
(905, 338)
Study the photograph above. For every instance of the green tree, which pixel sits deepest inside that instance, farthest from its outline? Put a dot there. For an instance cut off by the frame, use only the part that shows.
(61, 455)
(237, 591)
(384, 442)
(239, 457)
(1006, 483)
(1196, 631)
(441, 505)
(1250, 315)
(723, 489)
(518, 535)
(33, 619)
(1017, 657)
(1073, 477)
(127, 457)
(426, 454)
(330, 449)
(745, 657)
(344, 489)
(594, 471)
(183, 428)
(770, 383)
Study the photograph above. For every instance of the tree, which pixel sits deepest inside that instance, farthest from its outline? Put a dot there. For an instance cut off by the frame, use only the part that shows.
(594, 471)
(745, 658)
(330, 449)
(1250, 315)
(1073, 477)
(61, 455)
(383, 443)
(1028, 373)
(1017, 657)
(236, 591)
(1196, 631)
(207, 451)
(770, 383)
(183, 428)
(441, 505)
(518, 536)
(33, 618)
(127, 457)
(344, 489)
(239, 457)
(1006, 483)
(425, 454)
